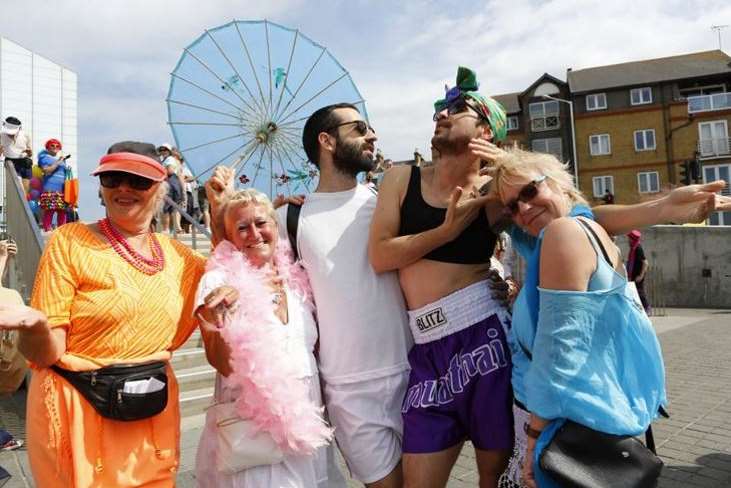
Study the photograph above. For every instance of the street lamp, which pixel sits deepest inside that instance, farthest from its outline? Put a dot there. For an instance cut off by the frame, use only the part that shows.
(573, 135)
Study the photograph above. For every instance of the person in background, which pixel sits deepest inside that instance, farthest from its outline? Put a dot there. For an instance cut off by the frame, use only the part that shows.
(53, 164)
(15, 145)
(608, 197)
(12, 364)
(637, 266)
(170, 217)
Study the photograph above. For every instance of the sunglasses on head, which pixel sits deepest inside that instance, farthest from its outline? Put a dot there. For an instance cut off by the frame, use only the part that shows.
(525, 195)
(361, 127)
(113, 179)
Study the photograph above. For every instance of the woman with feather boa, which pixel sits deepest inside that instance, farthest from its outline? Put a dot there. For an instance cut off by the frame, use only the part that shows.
(266, 427)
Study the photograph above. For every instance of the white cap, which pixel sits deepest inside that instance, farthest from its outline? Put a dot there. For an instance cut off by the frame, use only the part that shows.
(167, 146)
(10, 129)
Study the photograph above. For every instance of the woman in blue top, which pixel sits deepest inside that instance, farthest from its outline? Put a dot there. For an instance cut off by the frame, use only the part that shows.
(53, 163)
(582, 347)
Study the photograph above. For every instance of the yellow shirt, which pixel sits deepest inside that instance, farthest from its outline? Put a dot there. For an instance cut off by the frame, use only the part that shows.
(112, 313)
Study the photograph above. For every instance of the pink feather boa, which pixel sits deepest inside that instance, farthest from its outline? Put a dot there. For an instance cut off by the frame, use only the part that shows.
(270, 393)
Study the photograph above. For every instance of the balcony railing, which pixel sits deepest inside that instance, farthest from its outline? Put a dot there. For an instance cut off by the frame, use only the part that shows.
(713, 148)
(708, 103)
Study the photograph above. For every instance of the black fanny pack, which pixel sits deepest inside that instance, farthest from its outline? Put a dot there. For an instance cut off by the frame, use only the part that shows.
(580, 457)
(105, 389)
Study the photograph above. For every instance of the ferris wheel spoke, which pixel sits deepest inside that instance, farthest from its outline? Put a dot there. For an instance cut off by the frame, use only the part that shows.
(286, 73)
(284, 119)
(241, 78)
(213, 142)
(221, 80)
(243, 146)
(307, 76)
(192, 105)
(251, 63)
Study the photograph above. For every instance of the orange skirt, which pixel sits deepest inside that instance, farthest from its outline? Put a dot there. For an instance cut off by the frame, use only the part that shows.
(71, 445)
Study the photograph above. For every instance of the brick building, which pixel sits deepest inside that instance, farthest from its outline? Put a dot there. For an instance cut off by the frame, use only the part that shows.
(639, 126)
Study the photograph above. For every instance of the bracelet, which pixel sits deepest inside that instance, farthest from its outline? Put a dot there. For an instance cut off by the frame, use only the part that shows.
(530, 431)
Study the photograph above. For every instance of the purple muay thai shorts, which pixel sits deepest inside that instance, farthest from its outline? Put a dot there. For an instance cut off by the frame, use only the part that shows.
(459, 386)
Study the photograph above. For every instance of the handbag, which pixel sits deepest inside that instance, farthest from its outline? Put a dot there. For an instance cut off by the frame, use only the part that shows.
(70, 188)
(240, 446)
(106, 389)
(580, 457)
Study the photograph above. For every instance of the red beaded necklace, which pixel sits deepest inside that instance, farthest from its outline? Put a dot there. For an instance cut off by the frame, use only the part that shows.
(123, 248)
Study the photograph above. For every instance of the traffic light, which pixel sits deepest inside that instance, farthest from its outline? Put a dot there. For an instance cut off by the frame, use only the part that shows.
(695, 170)
(685, 173)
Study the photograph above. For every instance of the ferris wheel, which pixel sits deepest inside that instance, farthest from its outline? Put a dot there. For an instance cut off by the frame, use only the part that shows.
(240, 95)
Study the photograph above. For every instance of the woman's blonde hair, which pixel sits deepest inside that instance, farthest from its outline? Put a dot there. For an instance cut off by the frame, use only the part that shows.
(247, 197)
(519, 164)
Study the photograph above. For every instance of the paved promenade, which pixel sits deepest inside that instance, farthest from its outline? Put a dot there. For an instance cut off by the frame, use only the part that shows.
(695, 443)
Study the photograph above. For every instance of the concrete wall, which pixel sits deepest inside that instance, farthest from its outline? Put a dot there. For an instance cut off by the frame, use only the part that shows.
(694, 264)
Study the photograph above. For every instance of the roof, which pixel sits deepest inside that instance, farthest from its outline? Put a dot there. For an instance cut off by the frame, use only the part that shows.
(671, 68)
(509, 101)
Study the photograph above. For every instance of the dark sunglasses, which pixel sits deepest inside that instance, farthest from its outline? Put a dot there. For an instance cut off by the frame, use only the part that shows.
(525, 195)
(112, 179)
(361, 127)
(459, 106)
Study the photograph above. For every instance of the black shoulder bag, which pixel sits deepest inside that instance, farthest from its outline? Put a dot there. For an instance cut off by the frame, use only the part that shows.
(580, 457)
(293, 220)
(104, 389)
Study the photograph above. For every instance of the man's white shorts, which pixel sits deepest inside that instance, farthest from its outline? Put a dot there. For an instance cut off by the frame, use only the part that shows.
(368, 426)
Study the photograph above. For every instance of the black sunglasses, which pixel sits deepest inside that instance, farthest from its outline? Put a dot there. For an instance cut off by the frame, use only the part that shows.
(459, 106)
(361, 127)
(525, 195)
(112, 179)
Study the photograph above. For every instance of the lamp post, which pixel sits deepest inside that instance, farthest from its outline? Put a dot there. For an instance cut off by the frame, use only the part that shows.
(573, 135)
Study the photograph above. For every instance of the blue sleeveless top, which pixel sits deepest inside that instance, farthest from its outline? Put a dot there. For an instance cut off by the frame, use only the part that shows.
(592, 357)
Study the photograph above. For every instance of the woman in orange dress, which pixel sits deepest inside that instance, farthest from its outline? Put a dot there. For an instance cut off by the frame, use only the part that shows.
(109, 293)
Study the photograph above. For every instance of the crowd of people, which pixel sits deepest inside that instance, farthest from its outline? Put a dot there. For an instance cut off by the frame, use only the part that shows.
(49, 185)
(440, 348)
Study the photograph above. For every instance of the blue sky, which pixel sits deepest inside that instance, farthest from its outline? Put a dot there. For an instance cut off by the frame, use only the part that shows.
(400, 54)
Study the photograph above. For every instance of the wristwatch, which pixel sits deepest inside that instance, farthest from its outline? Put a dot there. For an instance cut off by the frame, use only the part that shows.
(530, 431)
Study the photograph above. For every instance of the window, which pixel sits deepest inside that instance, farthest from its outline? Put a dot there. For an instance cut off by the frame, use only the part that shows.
(550, 146)
(648, 181)
(513, 122)
(645, 140)
(597, 101)
(713, 173)
(601, 184)
(640, 96)
(544, 116)
(599, 144)
(713, 139)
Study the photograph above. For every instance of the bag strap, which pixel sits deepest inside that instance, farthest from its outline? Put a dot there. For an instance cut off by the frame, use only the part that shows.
(595, 241)
(293, 220)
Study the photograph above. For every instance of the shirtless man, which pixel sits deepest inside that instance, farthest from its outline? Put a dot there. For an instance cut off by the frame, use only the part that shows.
(431, 226)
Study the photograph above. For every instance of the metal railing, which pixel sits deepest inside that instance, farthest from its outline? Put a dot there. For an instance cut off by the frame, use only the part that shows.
(21, 225)
(195, 227)
(708, 103)
(711, 148)
(654, 284)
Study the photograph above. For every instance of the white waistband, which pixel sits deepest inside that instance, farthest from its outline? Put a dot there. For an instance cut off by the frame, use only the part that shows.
(455, 312)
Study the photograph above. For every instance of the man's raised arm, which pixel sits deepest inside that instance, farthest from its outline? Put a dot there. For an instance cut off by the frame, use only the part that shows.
(687, 204)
